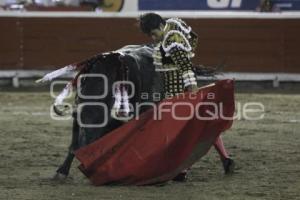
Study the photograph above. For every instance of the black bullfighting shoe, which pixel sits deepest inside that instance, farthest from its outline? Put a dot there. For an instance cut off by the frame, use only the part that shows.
(228, 165)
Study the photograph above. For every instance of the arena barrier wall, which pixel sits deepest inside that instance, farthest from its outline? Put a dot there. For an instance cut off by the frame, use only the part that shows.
(247, 41)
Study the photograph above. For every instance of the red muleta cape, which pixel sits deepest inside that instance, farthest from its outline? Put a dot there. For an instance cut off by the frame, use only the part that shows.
(149, 151)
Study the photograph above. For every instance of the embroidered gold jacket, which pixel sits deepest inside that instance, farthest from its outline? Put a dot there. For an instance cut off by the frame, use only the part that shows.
(173, 56)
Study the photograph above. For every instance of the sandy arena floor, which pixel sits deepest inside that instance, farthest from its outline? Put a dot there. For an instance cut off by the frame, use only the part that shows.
(267, 154)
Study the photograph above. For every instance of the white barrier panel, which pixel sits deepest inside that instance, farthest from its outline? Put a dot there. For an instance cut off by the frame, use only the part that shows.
(167, 14)
(276, 78)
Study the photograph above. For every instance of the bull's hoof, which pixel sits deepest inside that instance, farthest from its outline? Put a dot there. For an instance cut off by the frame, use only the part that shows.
(181, 177)
(59, 177)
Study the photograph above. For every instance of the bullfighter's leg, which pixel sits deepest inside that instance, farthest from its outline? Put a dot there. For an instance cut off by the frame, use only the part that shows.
(228, 163)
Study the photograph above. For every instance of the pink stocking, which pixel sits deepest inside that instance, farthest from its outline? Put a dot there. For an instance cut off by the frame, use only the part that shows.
(219, 146)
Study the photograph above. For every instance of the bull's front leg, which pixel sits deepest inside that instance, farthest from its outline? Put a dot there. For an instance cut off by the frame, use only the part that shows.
(63, 171)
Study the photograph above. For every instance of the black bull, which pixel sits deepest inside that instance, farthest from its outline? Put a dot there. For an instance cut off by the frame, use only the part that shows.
(137, 62)
(134, 60)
